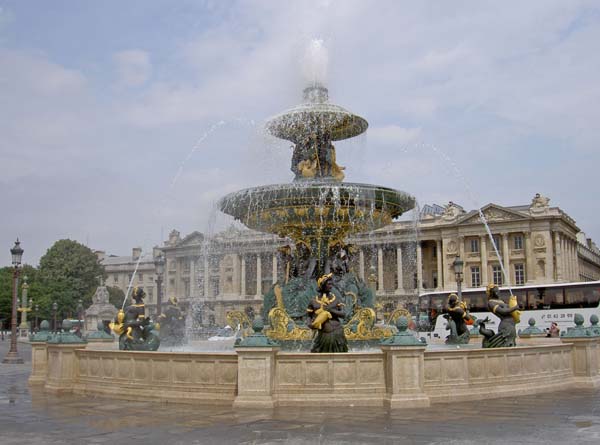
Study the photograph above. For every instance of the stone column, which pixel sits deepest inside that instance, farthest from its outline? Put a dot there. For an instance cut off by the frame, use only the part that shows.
(506, 259)
(274, 279)
(529, 259)
(192, 289)
(63, 367)
(39, 363)
(243, 276)
(206, 277)
(440, 270)
(575, 260)
(419, 267)
(400, 272)
(404, 376)
(380, 270)
(559, 256)
(484, 260)
(258, 275)
(361, 264)
(256, 377)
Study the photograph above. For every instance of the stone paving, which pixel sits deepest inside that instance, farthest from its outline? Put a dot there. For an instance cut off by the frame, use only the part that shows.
(31, 417)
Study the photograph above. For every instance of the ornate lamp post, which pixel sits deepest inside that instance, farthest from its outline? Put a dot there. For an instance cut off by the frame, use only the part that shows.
(458, 271)
(54, 310)
(159, 268)
(80, 314)
(13, 357)
(25, 307)
(37, 312)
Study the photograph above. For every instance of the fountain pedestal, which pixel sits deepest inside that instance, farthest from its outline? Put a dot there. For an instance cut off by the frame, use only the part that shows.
(256, 376)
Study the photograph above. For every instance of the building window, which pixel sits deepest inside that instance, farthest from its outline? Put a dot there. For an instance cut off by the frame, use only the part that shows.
(475, 276)
(475, 245)
(497, 274)
(140, 277)
(115, 278)
(518, 242)
(519, 274)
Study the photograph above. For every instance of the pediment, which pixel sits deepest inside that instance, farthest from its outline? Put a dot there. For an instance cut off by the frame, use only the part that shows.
(192, 239)
(492, 213)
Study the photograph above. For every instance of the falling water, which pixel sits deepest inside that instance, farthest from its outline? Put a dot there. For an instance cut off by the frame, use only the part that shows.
(131, 280)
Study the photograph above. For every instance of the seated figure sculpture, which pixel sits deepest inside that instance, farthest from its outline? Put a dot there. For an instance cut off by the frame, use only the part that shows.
(458, 317)
(509, 316)
(135, 331)
(172, 324)
(325, 313)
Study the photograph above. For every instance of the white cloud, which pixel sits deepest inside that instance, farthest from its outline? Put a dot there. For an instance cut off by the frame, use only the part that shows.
(133, 67)
(393, 135)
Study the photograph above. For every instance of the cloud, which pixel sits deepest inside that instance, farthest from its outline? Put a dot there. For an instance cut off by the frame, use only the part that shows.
(133, 67)
(393, 135)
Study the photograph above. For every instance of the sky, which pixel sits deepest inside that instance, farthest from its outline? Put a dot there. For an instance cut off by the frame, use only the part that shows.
(120, 121)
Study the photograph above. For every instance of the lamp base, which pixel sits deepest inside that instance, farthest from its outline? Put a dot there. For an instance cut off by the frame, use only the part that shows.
(12, 358)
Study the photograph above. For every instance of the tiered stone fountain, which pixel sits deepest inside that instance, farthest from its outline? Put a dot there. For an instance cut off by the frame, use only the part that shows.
(317, 211)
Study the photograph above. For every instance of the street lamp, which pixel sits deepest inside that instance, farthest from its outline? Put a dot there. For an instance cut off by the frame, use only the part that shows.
(37, 312)
(159, 268)
(80, 314)
(54, 310)
(13, 357)
(458, 271)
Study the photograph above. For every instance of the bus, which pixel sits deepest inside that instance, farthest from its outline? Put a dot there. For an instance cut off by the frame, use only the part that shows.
(545, 303)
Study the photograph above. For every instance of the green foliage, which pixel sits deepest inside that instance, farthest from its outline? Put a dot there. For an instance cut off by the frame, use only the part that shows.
(6, 287)
(115, 296)
(68, 272)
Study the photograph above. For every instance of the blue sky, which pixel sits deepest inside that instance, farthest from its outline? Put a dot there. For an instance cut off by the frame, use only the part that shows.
(102, 102)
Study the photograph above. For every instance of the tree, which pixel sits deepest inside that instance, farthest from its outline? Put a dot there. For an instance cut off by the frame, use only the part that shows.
(69, 271)
(6, 288)
(115, 296)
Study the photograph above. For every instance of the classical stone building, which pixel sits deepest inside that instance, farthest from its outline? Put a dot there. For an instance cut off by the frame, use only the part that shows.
(233, 269)
(119, 270)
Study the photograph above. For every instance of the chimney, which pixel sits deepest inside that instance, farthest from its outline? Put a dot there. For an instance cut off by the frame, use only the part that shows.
(135, 253)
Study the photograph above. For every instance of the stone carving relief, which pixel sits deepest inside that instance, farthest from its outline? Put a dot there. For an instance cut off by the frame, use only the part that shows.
(539, 205)
(452, 211)
(539, 241)
(451, 247)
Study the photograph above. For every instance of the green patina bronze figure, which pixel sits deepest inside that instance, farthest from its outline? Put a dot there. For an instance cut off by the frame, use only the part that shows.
(172, 324)
(325, 313)
(509, 315)
(458, 316)
(135, 331)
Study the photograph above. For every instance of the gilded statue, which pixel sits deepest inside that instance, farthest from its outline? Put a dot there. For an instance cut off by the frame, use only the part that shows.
(135, 331)
(457, 315)
(326, 313)
(509, 315)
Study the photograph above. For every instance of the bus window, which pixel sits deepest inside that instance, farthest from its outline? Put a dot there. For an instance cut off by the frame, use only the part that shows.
(550, 297)
(521, 298)
(591, 296)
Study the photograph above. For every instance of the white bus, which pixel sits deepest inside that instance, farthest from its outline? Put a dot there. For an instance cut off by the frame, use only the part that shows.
(545, 303)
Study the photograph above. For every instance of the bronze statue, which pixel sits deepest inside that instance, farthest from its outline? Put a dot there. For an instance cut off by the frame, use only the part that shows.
(458, 316)
(325, 313)
(136, 332)
(314, 157)
(172, 324)
(509, 315)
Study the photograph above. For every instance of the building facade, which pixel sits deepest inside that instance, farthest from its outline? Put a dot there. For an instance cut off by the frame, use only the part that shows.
(538, 244)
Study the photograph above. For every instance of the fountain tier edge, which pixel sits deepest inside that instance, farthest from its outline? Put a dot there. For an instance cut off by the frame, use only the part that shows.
(305, 209)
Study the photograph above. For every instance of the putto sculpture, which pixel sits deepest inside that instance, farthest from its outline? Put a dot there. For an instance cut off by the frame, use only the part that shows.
(135, 331)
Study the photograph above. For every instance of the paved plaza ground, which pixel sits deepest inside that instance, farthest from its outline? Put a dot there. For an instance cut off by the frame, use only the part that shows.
(28, 417)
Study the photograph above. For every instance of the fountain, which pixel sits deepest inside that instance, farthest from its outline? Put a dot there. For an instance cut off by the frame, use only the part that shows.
(317, 211)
